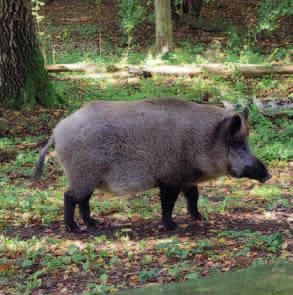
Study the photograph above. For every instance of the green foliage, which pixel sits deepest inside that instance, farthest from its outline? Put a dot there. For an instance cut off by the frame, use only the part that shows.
(271, 142)
(267, 191)
(177, 270)
(173, 249)
(269, 13)
(102, 288)
(132, 13)
(36, 6)
(98, 4)
(192, 276)
(203, 246)
(147, 275)
(255, 240)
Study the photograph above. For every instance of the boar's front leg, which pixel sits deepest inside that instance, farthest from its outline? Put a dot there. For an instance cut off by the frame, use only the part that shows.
(168, 195)
(191, 194)
(69, 207)
(84, 209)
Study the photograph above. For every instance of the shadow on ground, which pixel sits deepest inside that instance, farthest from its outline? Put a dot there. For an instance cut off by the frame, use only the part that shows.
(138, 229)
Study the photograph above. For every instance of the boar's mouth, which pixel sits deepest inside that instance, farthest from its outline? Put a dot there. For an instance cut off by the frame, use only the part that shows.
(265, 178)
(258, 172)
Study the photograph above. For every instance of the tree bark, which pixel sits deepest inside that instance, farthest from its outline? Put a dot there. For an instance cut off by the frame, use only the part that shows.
(164, 38)
(23, 78)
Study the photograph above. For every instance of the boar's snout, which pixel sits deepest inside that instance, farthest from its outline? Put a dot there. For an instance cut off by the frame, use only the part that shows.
(257, 171)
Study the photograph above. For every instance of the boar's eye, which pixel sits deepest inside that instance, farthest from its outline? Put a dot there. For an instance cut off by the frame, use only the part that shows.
(239, 145)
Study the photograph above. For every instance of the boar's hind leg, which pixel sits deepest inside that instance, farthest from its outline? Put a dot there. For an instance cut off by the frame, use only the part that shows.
(191, 195)
(69, 207)
(84, 209)
(168, 195)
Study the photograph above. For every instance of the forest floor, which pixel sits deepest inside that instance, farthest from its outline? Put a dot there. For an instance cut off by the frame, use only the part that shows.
(246, 222)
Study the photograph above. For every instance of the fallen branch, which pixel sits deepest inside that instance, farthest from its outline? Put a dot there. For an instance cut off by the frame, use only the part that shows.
(218, 69)
(59, 68)
(94, 76)
(114, 79)
(82, 67)
(181, 70)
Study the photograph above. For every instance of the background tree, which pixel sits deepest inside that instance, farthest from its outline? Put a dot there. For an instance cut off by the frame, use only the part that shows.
(132, 13)
(188, 6)
(23, 78)
(164, 38)
(196, 7)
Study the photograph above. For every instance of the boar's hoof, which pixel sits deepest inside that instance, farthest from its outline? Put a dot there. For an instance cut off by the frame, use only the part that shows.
(197, 216)
(91, 222)
(73, 228)
(170, 225)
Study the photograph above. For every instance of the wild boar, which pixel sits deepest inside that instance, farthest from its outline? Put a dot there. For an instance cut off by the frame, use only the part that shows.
(126, 147)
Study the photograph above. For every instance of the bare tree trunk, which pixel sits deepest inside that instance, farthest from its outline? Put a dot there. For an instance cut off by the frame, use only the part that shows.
(23, 78)
(164, 38)
(196, 7)
(189, 6)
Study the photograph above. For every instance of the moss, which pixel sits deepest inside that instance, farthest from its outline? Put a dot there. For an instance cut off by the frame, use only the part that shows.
(37, 87)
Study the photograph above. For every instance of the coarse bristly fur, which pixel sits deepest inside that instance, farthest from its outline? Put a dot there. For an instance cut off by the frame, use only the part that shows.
(40, 163)
(124, 147)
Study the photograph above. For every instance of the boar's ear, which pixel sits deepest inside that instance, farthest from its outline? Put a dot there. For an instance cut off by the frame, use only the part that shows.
(234, 125)
(228, 128)
(246, 113)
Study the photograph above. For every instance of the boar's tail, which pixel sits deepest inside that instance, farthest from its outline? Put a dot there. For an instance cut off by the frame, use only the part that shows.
(40, 163)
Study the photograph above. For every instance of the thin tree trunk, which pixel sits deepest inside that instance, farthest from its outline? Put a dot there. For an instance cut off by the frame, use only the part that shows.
(23, 78)
(196, 7)
(164, 38)
(189, 6)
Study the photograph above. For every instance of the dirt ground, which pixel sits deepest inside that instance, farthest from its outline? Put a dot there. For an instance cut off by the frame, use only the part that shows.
(245, 223)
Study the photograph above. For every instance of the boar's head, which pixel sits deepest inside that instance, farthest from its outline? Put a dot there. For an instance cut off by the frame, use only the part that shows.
(241, 162)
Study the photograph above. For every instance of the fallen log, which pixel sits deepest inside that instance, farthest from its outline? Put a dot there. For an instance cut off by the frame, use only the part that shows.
(114, 79)
(94, 76)
(217, 69)
(78, 67)
(83, 67)
(181, 70)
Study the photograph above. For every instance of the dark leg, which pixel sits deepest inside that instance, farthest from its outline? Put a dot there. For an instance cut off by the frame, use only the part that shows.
(191, 195)
(168, 195)
(69, 206)
(84, 209)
